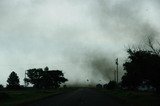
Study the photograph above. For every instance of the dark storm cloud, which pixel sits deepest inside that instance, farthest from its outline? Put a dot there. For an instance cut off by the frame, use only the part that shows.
(126, 18)
(121, 21)
(81, 37)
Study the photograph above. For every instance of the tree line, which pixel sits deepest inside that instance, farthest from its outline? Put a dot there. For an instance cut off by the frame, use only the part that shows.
(142, 68)
(39, 78)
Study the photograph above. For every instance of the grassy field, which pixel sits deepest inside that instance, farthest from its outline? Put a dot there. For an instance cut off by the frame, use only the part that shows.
(131, 98)
(21, 97)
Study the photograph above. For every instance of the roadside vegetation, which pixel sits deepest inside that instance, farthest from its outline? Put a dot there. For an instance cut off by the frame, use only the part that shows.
(39, 84)
(140, 85)
(142, 68)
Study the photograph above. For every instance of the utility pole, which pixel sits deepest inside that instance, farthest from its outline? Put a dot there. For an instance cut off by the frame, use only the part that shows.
(25, 80)
(114, 75)
(117, 68)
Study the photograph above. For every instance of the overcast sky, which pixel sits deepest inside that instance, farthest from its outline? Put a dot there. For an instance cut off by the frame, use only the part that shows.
(81, 37)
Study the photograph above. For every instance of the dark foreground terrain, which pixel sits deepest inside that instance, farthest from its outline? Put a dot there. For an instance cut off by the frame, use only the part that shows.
(80, 97)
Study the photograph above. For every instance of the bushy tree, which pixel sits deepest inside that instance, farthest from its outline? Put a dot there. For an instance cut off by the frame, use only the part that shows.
(142, 66)
(112, 85)
(13, 81)
(45, 78)
(35, 77)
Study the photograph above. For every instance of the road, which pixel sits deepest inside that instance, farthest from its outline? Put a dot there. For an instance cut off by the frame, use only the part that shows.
(80, 97)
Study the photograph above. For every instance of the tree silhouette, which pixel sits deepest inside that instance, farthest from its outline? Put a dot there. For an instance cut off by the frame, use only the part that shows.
(35, 77)
(112, 85)
(45, 79)
(46, 69)
(13, 81)
(142, 66)
(1, 87)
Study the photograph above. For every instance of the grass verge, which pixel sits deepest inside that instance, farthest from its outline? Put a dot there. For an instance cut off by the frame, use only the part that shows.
(22, 97)
(133, 98)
